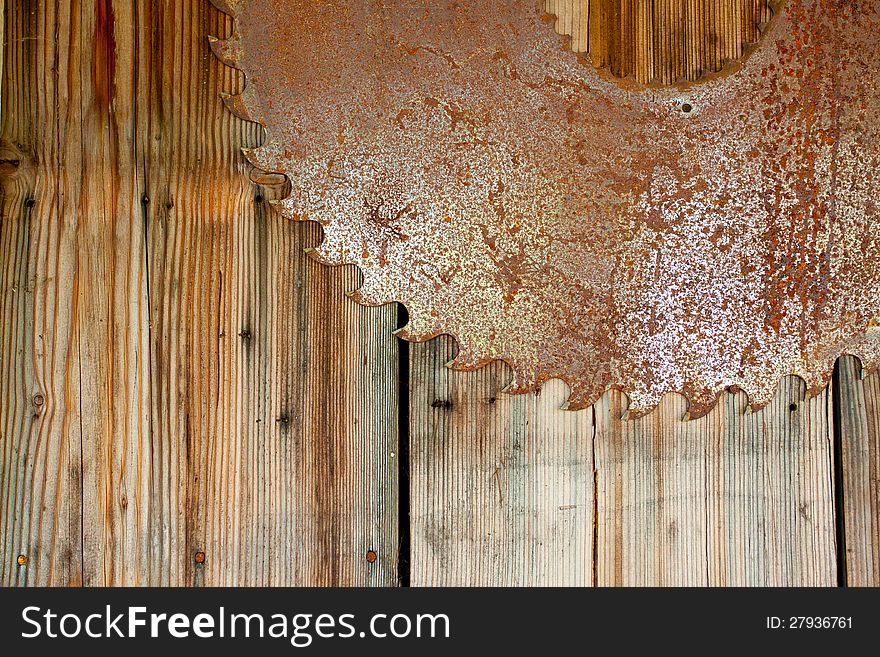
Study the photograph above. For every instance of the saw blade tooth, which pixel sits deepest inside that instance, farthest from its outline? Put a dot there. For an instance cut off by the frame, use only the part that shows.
(573, 405)
(262, 157)
(868, 364)
(700, 402)
(522, 382)
(358, 297)
(324, 255)
(227, 50)
(696, 412)
(290, 209)
(418, 328)
(758, 396)
(367, 295)
(815, 385)
(242, 105)
(639, 413)
(584, 395)
(816, 380)
(467, 361)
(638, 408)
(410, 334)
(758, 401)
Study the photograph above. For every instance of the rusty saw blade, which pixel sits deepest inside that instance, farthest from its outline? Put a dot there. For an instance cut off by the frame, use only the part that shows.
(686, 239)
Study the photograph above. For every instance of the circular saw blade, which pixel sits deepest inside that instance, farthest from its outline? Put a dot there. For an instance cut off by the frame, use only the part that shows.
(652, 240)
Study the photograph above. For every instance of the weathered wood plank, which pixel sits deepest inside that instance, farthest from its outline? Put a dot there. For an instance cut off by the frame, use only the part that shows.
(205, 388)
(288, 405)
(514, 490)
(111, 292)
(859, 411)
(40, 373)
(501, 487)
(732, 499)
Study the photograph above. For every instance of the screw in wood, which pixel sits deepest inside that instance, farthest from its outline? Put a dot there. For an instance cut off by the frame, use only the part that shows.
(200, 557)
(371, 556)
(22, 560)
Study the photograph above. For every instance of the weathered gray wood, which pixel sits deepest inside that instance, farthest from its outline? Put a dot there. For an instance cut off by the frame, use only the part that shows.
(732, 499)
(859, 404)
(513, 490)
(501, 486)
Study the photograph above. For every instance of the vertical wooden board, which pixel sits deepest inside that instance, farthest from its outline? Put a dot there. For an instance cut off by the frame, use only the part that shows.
(40, 421)
(276, 396)
(859, 471)
(501, 487)
(732, 499)
(2, 48)
(199, 225)
(774, 477)
(330, 422)
(651, 504)
(111, 294)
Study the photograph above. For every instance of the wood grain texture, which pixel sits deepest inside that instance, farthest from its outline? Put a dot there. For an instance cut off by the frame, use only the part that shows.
(733, 499)
(514, 490)
(41, 487)
(664, 41)
(177, 376)
(501, 486)
(859, 411)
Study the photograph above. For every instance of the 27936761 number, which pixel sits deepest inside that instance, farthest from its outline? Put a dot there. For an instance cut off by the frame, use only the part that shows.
(809, 623)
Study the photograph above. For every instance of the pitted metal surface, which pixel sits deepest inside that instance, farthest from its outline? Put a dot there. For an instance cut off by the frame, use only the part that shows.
(508, 194)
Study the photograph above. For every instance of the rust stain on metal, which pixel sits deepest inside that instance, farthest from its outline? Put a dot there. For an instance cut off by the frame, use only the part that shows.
(482, 174)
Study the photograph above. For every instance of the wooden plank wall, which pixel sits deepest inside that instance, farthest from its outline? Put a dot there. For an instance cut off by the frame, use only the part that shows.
(186, 398)
(514, 491)
(662, 41)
